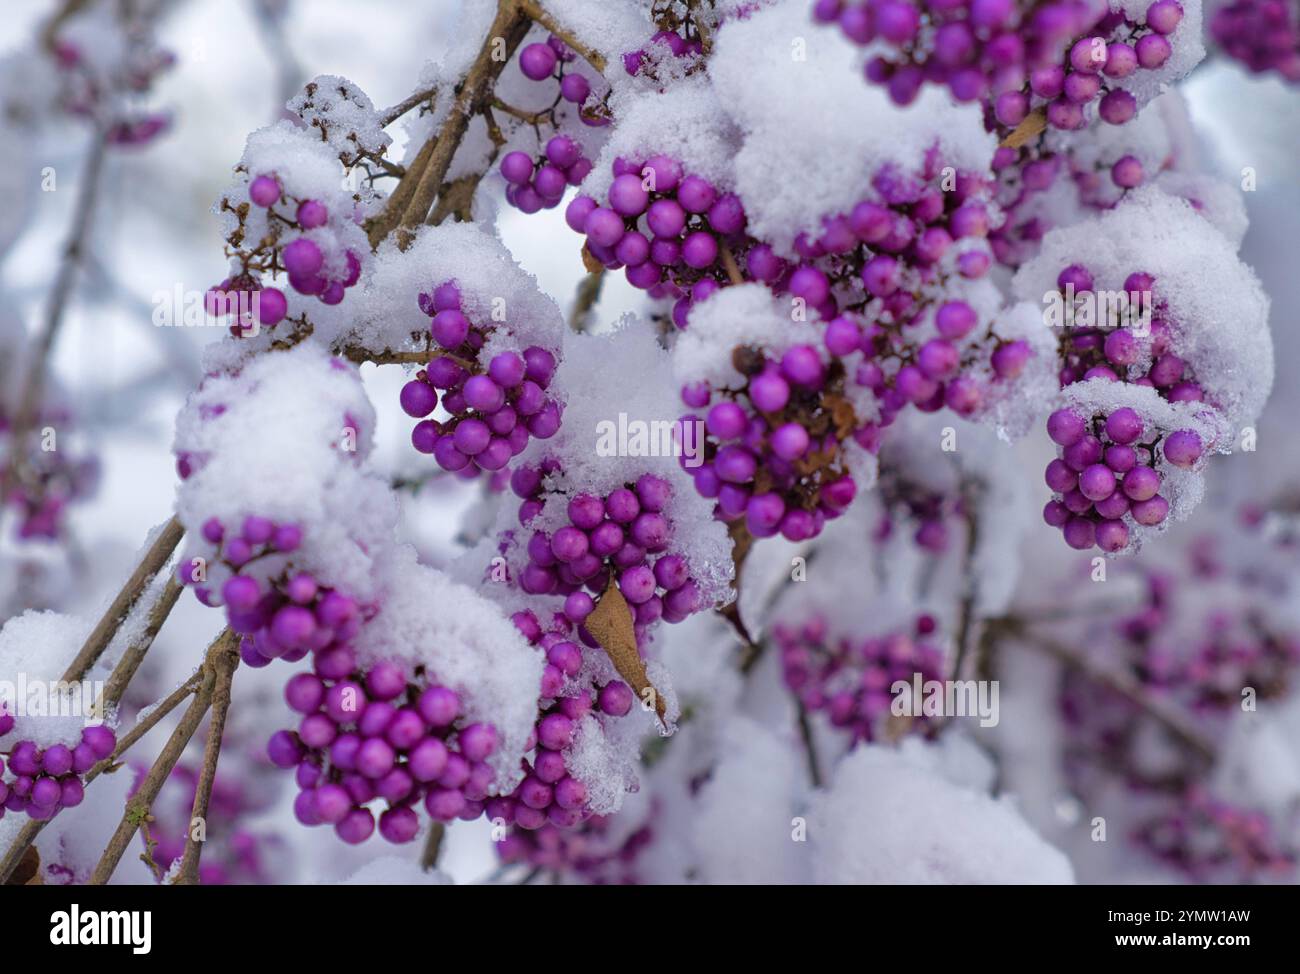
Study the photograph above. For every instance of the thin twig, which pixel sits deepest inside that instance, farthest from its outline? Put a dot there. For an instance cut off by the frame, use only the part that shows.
(134, 655)
(433, 846)
(1118, 681)
(509, 27)
(152, 562)
(809, 747)
(138, 807)
(361, 355)
(585, 300)
(28, 408)
(225, 664)
(392, 114)
(534, 11)
(729, 262)
(971, 490)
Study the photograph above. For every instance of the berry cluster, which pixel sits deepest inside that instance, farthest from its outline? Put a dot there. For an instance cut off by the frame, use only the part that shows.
(548, 793)
(914, 503)
(47, 780)
(540, 184)
(537, 184)
(1198, 667)
(1024, 177)
(1106, 469)
(624, 535)
(850, 679)
(111, 91)
(545, 61)
(1061, 56)
(772, 455)
(586, 852)
(890, 244)
(1264, 35)
(375, 734)
(673, 231)
(316, 264)
(683, 43)
(494, 410)
(1211, 839)
(285, 616)
(48, 480)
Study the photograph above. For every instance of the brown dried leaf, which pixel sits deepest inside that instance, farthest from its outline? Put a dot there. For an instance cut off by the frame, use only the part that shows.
(611, 625)
(28, 870)
(590, 262)
(1028, 130)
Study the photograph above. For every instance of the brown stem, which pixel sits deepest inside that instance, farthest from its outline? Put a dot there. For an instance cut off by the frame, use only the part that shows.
(152, 562)
(809, 747)
(225, 663)
(138, 807)
(28, 408)
(729, 262)
(392, 114)
(534, 11)
(585, 300)
(432, 846)
(742, 541)
(966, 614)
(510, 26)
(360, 355)
(134, 655)
(379, 227)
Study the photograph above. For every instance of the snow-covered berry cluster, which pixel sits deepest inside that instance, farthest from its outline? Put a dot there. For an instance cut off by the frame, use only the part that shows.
(282, 612)
(550, 791)
(772, 456)
(675, 232)
(44, 780)
(1059, 57)
(495, 408)
(623, 537)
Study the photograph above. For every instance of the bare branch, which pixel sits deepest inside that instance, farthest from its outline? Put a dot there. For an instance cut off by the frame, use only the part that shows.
(392, 114)
(28, 408)
(152, 562)
(138, 807)
(225, 663)
(534, 11)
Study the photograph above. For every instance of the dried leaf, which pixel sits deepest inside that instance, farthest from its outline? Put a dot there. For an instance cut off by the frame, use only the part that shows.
(28, 870)
(610, 623)
(1033, 125)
